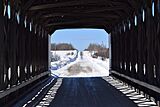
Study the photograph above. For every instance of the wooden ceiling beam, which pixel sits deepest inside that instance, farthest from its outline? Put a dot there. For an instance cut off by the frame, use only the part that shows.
(107, 16)
(104, 11)
(51, 29)
(78, 3)
(27, 5)
(86, 21)
(100, 16)
(64, 4)
(81, 13)
(85, 12)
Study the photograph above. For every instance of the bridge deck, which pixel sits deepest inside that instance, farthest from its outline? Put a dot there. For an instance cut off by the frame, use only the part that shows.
(83, 92)
(89, 92)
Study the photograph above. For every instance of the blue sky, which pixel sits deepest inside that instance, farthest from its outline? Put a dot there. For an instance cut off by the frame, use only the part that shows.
(80, 38)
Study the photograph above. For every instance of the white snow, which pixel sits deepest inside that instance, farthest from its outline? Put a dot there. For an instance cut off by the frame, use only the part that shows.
(64, 58)
(85, 67)
(62, 54)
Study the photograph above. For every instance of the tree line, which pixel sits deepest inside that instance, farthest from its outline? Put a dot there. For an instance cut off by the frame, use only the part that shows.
(62, 46)
(99, 49)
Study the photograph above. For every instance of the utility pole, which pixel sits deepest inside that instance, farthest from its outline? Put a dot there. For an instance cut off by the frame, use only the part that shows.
(55, 50)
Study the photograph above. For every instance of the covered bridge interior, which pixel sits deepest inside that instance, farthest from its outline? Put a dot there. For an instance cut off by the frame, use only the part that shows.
(25, 27)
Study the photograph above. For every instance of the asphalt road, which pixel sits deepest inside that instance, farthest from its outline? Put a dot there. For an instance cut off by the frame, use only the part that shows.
(89, 92)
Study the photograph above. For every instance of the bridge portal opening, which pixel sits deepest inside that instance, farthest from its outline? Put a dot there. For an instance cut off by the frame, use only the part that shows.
(79, 53)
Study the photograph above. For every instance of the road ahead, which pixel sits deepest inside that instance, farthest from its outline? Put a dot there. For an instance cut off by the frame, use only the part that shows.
(84, 67)
(89, 92)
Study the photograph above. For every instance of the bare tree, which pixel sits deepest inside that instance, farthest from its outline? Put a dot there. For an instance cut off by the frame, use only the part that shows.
(100, 49)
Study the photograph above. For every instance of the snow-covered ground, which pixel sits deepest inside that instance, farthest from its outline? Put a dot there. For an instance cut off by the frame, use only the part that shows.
(84, 67)
(66, 57)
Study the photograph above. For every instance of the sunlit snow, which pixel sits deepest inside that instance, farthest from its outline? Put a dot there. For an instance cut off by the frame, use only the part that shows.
(83, 67)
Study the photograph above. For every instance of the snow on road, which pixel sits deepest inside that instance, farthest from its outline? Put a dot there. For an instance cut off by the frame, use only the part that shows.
(85, 67)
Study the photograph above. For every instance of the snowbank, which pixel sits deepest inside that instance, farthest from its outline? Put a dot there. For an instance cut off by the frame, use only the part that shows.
(66, 57)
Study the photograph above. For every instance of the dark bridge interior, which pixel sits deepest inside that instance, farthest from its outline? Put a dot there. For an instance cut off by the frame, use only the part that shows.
(25, 26)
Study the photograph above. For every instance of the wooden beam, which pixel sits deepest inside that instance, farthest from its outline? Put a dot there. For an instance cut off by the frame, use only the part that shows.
(64, 4)
(26, 6)
(86, 12)
(112, 17)
(96, 12)
(72, 10)
(13, 89)
(103, 3)
(79, 16)
(141, 83)
(86, 21)
(74, 27)
(115, 7)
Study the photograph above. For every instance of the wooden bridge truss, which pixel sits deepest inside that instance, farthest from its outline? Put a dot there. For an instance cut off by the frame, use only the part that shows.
(25, 26)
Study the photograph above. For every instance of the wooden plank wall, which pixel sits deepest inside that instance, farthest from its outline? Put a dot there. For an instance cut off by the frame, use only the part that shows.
(23, 52)
(136, 47)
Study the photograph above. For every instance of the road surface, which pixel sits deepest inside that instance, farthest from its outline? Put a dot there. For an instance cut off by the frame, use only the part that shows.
(89, 92)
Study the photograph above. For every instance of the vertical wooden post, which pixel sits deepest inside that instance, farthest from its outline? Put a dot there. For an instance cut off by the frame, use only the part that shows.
(2, 47)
